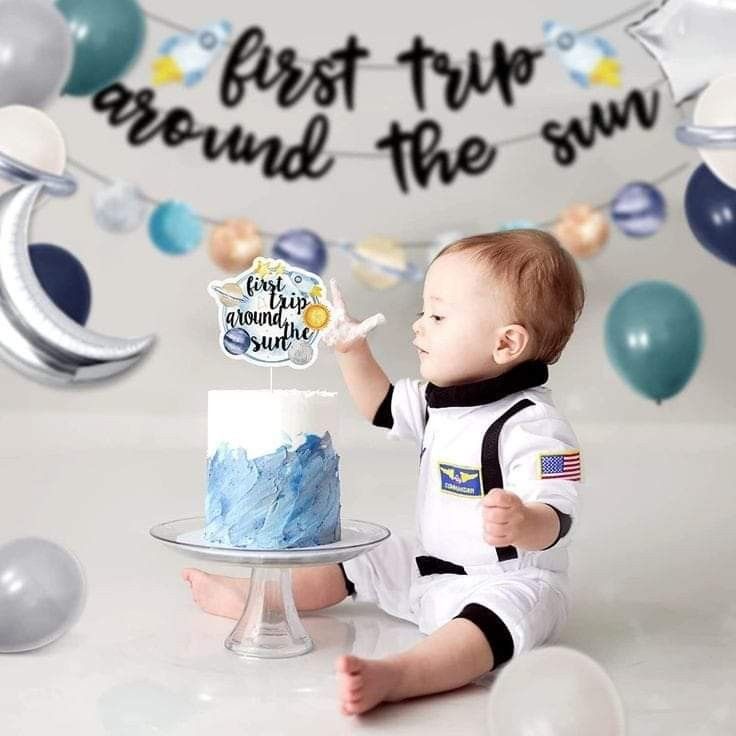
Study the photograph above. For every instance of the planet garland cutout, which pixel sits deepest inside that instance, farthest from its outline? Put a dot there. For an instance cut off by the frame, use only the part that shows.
(301, 248)
(175, 228)
(119, 207)
(234, 245)
(272, 314)
(375, 258)
(638, 209)
(582, 230)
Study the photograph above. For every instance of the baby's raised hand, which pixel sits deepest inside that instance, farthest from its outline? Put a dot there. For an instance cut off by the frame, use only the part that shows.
(343, 332)
(504, 518)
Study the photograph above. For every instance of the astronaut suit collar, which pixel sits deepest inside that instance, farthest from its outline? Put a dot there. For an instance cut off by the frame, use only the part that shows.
(525, 375)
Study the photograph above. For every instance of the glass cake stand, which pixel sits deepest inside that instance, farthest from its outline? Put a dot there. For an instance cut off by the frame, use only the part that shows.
(270, 626)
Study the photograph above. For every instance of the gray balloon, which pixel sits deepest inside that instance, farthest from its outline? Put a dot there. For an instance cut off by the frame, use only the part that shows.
(42, 592)
(36, 52)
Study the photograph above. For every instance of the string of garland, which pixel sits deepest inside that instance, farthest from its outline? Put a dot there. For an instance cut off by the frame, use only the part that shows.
(388, 66)
(662, 178)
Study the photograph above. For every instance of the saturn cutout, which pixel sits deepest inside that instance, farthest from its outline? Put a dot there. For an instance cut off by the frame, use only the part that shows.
(36, 337)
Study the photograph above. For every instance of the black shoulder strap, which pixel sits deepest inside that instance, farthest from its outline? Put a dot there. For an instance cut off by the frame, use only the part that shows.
(491, 466)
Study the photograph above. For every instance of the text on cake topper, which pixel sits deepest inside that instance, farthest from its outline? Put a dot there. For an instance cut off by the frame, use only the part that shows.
(272, 314)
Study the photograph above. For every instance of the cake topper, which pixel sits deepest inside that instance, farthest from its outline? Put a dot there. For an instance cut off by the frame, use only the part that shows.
(272, 314)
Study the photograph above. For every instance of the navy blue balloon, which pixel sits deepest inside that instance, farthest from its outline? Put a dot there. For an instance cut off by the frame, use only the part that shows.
(654, 338)
(236, 341)
(64, 279)
(710, 207)
(301, 248)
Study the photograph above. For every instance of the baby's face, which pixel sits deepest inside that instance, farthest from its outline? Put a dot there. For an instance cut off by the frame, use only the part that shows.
(462, 311)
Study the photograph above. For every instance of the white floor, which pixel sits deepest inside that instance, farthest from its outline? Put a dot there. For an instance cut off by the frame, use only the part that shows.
(653, 573)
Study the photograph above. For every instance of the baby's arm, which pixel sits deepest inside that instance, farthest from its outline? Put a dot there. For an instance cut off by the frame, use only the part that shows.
(367, 383)
(365, 379)
(507, 520)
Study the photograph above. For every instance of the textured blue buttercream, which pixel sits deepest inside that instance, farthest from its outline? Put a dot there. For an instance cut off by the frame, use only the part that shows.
(288, 498)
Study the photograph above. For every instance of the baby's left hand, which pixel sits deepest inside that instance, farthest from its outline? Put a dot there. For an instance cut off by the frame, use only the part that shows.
(505, 517)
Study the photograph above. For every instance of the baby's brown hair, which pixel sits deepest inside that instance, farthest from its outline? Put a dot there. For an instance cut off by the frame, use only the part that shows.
(543, 283)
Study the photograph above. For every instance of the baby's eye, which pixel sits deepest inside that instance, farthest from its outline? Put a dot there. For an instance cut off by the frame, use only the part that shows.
(436, 317)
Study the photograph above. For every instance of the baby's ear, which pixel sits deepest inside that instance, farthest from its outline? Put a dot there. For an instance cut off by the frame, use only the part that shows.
(510, 343)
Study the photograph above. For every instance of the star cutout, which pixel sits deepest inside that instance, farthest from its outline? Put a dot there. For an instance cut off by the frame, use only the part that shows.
(316, 291)
(692, 40)
(262, 268)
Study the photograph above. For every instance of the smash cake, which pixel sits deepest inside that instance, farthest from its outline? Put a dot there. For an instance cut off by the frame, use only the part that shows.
(272, 471)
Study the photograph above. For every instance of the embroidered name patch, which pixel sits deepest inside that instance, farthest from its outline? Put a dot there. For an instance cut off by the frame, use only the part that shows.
(562, 465)
(460, 481)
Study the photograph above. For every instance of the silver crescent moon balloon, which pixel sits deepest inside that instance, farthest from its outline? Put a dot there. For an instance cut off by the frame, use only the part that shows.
(36, 337)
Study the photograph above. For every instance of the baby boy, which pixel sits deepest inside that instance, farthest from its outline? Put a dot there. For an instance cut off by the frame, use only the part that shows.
(484, 574)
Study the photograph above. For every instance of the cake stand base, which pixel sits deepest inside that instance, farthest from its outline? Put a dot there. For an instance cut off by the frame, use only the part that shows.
(270, 626)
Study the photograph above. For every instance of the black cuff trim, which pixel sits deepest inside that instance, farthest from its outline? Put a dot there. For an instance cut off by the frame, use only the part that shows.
(565, 524)
(348, 582)
(496, 632)
(429, 565)
(384, 417)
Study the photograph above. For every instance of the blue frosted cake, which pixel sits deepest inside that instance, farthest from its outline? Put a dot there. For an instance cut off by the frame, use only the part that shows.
(272, 470)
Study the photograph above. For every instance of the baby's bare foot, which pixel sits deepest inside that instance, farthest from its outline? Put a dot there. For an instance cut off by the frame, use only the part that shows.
(364, 683)
(217, 594)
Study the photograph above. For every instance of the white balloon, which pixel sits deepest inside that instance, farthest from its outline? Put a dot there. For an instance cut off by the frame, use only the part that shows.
(33, 138)
(716, 106)
(42, 593)
(554, 691)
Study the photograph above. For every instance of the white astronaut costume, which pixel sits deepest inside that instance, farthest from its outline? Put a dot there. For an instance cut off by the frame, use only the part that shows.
(503, 432)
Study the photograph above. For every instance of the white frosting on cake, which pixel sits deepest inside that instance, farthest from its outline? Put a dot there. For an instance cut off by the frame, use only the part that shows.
(261, 421)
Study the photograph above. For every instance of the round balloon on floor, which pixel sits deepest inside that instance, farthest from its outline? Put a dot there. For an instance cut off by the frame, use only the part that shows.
(555, 691)
(42, 593)
(654, 338)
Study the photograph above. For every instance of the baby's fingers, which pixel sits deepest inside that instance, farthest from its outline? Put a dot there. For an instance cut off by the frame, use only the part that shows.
(369, 324)
(337, 300)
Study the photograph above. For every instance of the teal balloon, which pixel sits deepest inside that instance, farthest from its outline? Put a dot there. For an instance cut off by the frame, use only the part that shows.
(654, 338)
(108, 36)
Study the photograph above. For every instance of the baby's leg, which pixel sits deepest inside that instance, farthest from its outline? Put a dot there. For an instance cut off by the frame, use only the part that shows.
(313, 588)
(450, 657)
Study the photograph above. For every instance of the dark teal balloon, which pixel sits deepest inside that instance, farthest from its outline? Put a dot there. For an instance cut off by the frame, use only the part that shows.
(654, 338)
(108, 36)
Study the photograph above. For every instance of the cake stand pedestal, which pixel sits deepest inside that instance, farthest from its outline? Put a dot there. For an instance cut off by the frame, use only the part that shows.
(270, 626)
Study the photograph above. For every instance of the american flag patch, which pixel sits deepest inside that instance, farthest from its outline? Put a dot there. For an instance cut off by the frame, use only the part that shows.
(563, 465)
